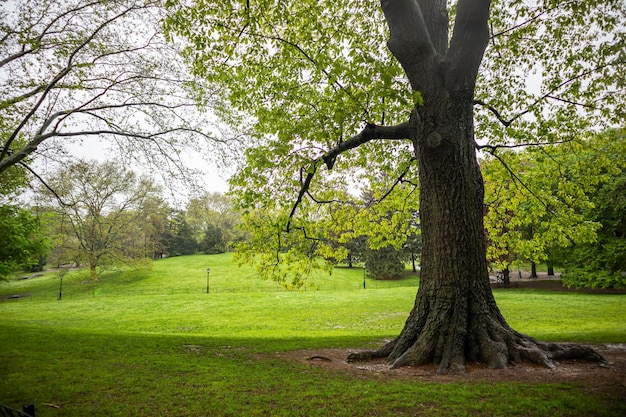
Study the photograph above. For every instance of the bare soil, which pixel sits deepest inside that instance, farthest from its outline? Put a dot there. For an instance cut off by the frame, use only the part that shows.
(591, 375)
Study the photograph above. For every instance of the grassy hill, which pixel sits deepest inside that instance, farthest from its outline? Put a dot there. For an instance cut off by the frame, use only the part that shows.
(184, 274)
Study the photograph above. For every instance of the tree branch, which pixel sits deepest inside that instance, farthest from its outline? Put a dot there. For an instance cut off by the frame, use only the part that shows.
(470, 37)
(410, 41)
(45, 184)
(370, 132)
(548, 95)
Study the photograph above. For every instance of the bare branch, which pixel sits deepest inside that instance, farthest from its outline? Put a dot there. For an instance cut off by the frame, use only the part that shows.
(45, 184)
(60, 76)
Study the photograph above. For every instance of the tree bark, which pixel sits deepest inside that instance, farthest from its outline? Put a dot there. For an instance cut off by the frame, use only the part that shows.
(455, 317)
(506, 276)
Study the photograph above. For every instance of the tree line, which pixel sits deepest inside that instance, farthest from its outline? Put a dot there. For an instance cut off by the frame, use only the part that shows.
(561, 204)
(102, 215)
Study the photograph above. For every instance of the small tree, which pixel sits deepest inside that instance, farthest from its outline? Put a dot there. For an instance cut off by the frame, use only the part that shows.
(213, 241)
(384, 263)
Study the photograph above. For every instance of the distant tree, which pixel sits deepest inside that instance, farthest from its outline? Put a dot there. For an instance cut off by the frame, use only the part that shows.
(22, 241)
(183, 241)
(212, 213)
(384, 263)
(98, 208)
(213, 241)
(155, 227)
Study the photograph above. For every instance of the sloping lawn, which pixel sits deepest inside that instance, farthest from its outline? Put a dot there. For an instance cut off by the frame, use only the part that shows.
(138, 344)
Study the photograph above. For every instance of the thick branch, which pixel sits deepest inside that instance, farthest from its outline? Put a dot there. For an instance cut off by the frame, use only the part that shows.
(370, 132)
(410, 41)
(469, 40)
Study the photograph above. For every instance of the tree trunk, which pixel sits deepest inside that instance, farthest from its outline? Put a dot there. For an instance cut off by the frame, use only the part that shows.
(455, 317)
(550, 270)
(506, 277)
(533, 270)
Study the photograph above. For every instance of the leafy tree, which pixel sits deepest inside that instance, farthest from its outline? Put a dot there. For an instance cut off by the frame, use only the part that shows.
(182, 241)
(536, 201)
(98, 208)
(213, 216)
(213, 241)
(384, 263)
(332, 105)
(602, 262)
(22, 241)
(84, 68)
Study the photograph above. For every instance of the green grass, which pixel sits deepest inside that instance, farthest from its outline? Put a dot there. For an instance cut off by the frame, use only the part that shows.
(155, 344)
(186, 274)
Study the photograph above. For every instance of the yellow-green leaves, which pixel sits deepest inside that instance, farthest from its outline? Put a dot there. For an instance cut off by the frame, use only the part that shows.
(537, 199)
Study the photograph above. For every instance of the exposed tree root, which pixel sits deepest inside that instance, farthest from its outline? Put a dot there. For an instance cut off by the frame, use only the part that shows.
(488, 340)
(526, 349)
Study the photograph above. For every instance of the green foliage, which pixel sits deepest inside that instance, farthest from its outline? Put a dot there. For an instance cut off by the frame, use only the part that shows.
(22, 240)
(182, 241)
(310, 78)
(541, 199)
(213, 241)
(602, 263)
(598, 278)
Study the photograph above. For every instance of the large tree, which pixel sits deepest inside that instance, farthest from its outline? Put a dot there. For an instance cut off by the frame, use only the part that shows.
(81, 69)
(332, 105)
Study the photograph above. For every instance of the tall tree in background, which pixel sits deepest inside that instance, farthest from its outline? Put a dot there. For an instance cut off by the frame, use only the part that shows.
(99, 205)
(78, 69)
(213, 218)
(331, 104)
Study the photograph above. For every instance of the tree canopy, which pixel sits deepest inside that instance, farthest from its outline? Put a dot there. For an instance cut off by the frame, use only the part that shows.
(312, 75)
(98, 207)
(79, 69)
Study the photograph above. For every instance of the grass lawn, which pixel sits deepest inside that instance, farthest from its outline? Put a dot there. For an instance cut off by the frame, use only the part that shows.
(153, 343)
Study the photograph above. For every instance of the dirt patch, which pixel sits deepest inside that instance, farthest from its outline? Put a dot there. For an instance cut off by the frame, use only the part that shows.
(591, 375)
